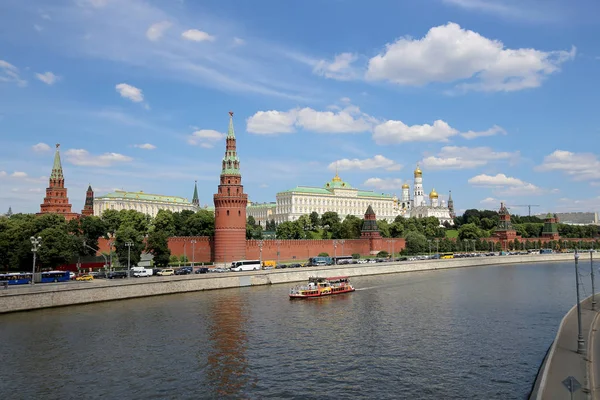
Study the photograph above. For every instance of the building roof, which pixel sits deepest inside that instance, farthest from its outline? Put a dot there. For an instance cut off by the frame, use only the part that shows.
(120, 194)
(262, 205)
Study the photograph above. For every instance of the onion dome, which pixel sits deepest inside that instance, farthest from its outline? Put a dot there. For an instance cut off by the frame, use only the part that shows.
(405, 186)
(433, 194)
(418, 172)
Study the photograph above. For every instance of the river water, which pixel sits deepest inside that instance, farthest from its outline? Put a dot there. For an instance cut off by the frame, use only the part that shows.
(471, 333)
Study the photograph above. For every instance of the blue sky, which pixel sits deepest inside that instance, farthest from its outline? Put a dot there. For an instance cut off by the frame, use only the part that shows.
(497, 99)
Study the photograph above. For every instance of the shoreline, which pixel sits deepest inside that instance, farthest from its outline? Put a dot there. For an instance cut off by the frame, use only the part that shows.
(49, 295)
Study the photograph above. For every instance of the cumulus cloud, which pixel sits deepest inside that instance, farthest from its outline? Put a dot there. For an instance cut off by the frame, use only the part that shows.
(506, 185)
(197, 36)
(47, 77)
(578, 205)
(157, 30)
(384, 184)
(3, 174)
(10, 73)
(340, 68)
(392, 132)
(145, 146)
(205, 138)
(83, 158)
(238, 41)
(490, 201)
(18, 174)
(130, 92)
(347, 120)
(579, 166)
(494, 130)
(376, 162)
(454, 157)
(449, 53)
(40, 147)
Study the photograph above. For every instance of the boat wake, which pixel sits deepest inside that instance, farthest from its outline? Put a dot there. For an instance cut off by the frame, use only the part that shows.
(368, 288)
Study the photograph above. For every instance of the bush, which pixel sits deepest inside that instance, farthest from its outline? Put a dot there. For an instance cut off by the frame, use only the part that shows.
(323, 254)
(383, 254)
(355, 256)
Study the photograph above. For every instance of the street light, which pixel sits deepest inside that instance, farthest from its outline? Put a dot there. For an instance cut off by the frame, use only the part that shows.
(437, 246)
(260, 246)
(36, 243)
(96, 250)
(193, 254)
(335, 252)
(580, 341)
(128, 244)
(278, 242)
(429, 242)
(110, 245)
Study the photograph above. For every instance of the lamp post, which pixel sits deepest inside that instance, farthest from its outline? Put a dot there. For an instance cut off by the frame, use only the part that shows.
(342, 242)
(110, 246)
(185, 252)
(193, 254)
(429, 243)
(96, 250)
(580, 341)
(128, 244)
(592, 274)
(36, 243)
(335, 252)
(260, 246)
(437, 246)
(278, 242)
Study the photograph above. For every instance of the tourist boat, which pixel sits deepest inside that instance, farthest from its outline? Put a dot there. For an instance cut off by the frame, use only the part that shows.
(319, 287)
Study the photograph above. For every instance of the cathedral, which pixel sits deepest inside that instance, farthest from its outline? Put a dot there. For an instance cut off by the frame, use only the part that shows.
(418, 206)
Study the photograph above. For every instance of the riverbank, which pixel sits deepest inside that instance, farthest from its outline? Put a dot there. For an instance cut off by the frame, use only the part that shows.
(72, 293)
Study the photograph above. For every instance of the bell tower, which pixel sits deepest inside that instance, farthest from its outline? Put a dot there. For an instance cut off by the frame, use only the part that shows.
(230, 206)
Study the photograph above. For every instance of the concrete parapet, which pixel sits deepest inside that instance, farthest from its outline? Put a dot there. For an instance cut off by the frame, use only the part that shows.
(63, 294)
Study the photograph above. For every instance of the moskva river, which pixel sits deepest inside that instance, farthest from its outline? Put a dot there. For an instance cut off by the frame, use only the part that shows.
(472, 333)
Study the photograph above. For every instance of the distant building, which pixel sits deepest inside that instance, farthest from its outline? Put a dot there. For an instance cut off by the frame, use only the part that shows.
(88, 208)
(575, 218)
(146, 203)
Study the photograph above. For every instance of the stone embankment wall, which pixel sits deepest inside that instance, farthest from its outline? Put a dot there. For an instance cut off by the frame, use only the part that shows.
(57, 295)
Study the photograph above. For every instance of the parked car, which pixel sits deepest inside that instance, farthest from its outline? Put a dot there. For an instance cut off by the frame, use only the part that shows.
(139, 273)
(117, 274)
(183, 271)
(166, 272)
(85, 277)
(202, 270)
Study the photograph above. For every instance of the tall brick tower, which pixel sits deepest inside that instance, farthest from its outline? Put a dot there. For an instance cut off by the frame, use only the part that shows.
(88, 208)
(230, 206)
(56, 200)
(371, 231)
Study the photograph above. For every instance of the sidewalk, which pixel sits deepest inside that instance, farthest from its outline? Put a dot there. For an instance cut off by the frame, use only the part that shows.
(563, 360)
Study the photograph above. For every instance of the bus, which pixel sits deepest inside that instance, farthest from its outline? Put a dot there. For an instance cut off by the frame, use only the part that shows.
(337, 259)
(319, 261)
(445, 256)
(55, 276)
(245, 265)
(15, 278)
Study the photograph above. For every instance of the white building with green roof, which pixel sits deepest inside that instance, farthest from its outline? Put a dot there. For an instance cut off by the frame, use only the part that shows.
(336, 195)
(146, 203)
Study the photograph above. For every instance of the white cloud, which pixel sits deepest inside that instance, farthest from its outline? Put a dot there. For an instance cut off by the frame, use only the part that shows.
(490, 201)
(494, 130)
(578, 205)
(505, 185)
(384, 184)
(205, 138)
(348, 120)
(47, 77)
(130, 92)
(376, 162)
(238, 41)
(340, 68)
(156, 31)
(18, 174)
(483, 5)
(40, 147)
(579, 166)
(454, 157)
(197, 36)
(448, 53)
(145, 146)
(83, 158)
(10, 73)
(264, 185)
(391, 132)
(3, 174)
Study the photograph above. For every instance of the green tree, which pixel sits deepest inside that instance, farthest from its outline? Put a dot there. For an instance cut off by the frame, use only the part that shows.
(92, 228)
(135, 219)
(165, 222)
(469, 231)
(315, 220)
(202, 223)
(289, 230)
(127, 234)
(350, 228)
(112, 220)
(57, 247)
(158, 245)
(416, 243)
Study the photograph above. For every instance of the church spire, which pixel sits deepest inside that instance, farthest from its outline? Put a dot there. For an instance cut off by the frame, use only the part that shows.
(231, 162)
(57, 172)
(230, 131)
(195, 200)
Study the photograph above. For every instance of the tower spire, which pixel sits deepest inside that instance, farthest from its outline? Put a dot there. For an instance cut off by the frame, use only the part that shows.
(195, 200)
(231, 162)
(57, 172)
(230, 131)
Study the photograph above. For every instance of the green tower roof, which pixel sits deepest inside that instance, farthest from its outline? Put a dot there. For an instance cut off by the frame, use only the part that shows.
(195, 199)
(57, 172)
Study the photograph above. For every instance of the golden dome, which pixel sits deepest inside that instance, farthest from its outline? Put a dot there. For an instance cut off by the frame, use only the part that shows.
(433, 194)
(337, 178)
(418, 172)
(405, 186)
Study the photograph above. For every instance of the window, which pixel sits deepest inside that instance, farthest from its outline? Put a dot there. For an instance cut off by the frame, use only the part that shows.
(239, 213)
(228, 213)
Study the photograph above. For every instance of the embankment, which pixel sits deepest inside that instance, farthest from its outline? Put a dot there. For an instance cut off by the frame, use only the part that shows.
(64, 294)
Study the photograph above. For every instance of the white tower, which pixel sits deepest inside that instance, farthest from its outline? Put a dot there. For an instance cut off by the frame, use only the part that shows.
(419, 195)
(433, 196)
(405, 199)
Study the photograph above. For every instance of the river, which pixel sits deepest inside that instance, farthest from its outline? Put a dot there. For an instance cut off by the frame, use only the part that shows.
(477, 333)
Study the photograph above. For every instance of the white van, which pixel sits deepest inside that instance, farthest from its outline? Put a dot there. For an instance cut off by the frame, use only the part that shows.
(139, 272)
(245, 265)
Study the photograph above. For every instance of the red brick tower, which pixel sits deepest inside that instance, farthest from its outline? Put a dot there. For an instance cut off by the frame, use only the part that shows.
(88, 208)
(230, 206)
(371, 231)
(504, 231)
(56, 200)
